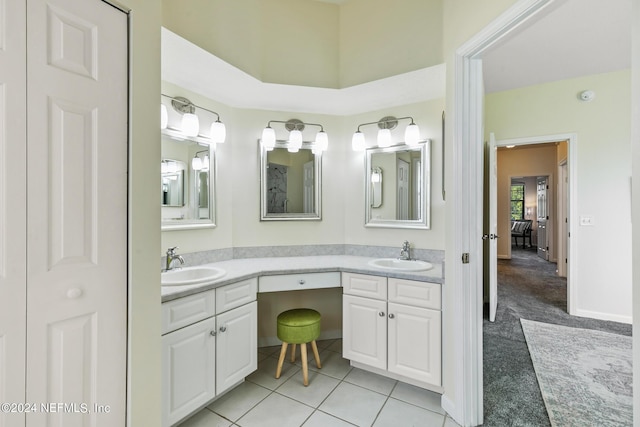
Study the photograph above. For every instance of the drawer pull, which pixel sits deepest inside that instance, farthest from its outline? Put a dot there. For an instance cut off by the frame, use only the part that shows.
(223, 328)
(381, 314)
(213, 333)
(74, 293)
(302, 281)
(391, 316)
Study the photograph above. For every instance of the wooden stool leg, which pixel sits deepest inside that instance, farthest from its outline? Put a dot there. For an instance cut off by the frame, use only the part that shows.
(305, 371)
(314, 347)
(293, 353)
(283, 352)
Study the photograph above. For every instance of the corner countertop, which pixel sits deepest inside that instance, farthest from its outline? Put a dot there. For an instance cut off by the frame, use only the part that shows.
(247, 268)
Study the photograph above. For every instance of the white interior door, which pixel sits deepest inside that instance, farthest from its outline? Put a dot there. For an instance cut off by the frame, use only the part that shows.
(308, 190)
(493, 228)
(13, 207)
(403, 190)
(77, 210)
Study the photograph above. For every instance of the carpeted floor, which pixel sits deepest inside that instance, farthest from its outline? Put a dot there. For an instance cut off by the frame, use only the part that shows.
(527, 288)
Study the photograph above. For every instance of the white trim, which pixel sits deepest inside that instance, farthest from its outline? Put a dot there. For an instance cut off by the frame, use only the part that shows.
(467, 121)
(604, 316)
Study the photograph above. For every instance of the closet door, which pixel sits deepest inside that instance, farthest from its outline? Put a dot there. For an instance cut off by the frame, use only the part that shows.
(13, 207)
(77, 211)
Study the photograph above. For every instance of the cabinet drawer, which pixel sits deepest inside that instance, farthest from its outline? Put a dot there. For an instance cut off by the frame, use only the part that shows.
(182, 312)
(296, 282)
(232, 296)
(418, 294)
(364, 285)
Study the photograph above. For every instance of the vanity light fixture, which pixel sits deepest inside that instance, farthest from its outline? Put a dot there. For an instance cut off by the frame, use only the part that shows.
(385, 125)
(190, 123)
(198, 163)
(294, 142)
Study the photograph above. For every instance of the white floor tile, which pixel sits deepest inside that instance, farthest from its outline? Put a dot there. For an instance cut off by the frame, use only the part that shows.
(418, 396)
(336, 346)
(354, 404)
(449, 422)
(371, 381)
(206, 418)
(276, 411)
(322, 344)
(266, 373)
(239, 401)
(400, 414)
(333, 364)
(318, 389)
(320, 419)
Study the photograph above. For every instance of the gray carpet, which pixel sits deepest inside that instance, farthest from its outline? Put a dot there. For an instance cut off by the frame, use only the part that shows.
(585, 376)
(527, 288)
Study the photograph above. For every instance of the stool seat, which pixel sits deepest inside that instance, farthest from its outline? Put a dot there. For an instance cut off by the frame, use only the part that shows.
(299, 326)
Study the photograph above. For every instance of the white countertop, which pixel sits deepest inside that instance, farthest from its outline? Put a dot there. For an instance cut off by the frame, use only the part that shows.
(242, 269)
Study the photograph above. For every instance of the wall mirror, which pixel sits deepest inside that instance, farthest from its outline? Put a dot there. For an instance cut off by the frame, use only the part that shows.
(290, 183)
(186, 184)
(397, 182)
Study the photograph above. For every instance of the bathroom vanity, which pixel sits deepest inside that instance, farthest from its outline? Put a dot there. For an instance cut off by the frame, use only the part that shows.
(391, 324)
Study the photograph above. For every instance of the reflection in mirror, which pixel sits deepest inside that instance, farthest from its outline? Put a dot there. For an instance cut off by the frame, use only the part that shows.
(290, 183)
(187, 171)
(402, 200)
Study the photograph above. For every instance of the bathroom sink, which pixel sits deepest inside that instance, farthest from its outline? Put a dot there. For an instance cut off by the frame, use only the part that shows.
(197, 275)
(400, 264)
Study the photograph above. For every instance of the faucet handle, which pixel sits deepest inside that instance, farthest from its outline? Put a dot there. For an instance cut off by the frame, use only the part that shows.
(172, 251)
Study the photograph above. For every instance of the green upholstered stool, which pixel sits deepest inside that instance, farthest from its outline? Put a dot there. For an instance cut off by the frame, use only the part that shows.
(299, 326)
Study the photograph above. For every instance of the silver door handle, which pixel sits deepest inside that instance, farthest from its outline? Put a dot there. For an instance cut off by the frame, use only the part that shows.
(391, 316)
(213, 333)
(223, 328)
(302, 281)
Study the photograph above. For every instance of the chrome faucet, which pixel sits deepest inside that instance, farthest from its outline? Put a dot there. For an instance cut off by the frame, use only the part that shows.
(172, 255)
(405, 252)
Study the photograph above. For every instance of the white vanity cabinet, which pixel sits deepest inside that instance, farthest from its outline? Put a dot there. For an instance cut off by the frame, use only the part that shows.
(393, 326)
(209, 344)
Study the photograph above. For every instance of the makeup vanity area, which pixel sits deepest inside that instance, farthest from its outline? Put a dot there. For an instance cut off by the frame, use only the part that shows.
(390, 319)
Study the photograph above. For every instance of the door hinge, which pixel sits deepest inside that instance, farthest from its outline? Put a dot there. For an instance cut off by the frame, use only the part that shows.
(465, 258)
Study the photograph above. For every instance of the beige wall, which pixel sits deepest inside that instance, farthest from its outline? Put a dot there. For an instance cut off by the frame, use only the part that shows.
(603, 171)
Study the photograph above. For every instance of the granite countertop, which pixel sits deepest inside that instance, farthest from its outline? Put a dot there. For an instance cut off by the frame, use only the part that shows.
(247, 268)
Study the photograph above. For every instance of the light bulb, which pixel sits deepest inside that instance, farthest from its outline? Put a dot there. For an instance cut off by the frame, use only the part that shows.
(268, 138)
(164, 117)
(163, 167)
(196, 163)
(322, 141)
(190, 124)
(295, 138)
(384, 138)
(357, 142)
(412, 134)
(172, 167)
(218, 132)
(205, 162)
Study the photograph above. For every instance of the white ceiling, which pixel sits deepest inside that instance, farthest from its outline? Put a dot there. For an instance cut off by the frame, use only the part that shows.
(569, 38)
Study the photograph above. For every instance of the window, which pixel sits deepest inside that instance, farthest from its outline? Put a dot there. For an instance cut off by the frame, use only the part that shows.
(517, 201)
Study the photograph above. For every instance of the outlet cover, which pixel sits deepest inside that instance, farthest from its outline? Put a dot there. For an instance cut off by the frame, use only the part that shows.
(586, 220)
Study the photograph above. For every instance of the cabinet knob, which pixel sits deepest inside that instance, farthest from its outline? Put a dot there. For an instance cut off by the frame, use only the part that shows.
(213, 333)
(223, 328)
(381, 314)
(74, 293)
(302, 281)
(391, 316)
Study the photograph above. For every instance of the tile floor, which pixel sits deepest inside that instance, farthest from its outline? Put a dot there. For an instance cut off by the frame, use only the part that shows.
(337, 395)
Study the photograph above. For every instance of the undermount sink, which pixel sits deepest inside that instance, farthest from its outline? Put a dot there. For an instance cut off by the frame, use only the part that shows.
(198, 275)
(401, 264)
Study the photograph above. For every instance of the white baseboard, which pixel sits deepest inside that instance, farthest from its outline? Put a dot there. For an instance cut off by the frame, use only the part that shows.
(324, 335)
(503, 256)
(604, 316)
(450, 408)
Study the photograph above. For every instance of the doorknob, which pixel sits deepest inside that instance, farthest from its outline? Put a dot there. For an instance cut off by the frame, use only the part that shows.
(494, 236)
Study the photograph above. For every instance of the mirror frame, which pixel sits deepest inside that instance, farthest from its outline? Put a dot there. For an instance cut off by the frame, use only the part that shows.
(423, 223)
(317, 197)
(190, 224)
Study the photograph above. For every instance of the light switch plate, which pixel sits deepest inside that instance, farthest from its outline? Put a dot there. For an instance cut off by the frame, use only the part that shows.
(586, 220)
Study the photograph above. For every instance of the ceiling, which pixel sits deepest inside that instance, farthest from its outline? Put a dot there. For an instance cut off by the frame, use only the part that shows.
(568, 39)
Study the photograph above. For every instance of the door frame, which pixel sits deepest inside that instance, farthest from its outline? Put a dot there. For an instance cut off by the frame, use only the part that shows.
(467, 122)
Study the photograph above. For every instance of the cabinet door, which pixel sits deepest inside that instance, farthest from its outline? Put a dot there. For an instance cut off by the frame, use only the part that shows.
(364, 335)
(237, 351)
(188, 370)
(415, 343)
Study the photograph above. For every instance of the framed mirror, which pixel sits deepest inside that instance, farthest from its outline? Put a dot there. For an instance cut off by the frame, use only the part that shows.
(187, 184)
(290, 183)
(397, 183)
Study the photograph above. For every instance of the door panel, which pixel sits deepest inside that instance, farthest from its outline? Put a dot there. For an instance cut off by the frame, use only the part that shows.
(77, 209)
(543, 217)
(364, 331)
(236, 352)
(493, 228)
(13, 207)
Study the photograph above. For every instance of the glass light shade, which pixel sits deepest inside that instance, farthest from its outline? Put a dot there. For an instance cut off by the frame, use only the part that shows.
(293, 149)
(357, 142)
(375, 177)
(164, 117)
(172, 167)
(412, 134)
(218, 132)
(163, 167)
(295, 138)
(322, 141)
(384, 138)
(190, 124)
(268, 138)
(196, 163)
(316, 151)
(205, 162)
